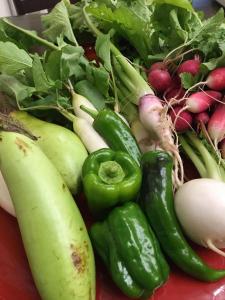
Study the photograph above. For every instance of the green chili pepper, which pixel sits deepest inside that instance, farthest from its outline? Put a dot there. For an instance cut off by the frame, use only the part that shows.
(115, 132)
(156, 198)
(130, 251)
(109, 178)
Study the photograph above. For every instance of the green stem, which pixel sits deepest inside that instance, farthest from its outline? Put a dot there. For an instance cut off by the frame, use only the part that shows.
(89, 111)
(123, 76)
(213, 169)
(68, 115)
(140, 86)
(194, 157)
(35, 37)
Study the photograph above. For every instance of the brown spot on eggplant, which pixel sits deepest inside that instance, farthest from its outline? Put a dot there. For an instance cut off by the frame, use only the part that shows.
(23, 146)
(79, 258)
(63, 186)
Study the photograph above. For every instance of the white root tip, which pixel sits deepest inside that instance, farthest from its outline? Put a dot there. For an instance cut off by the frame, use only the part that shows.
(212, 247)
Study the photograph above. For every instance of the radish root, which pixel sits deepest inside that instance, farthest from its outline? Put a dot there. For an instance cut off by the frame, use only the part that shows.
(212, 247)
(166, 142)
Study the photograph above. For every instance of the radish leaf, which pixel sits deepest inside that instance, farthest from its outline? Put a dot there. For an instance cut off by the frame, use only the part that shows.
(14, 88)
(57, 24)
(13, 59)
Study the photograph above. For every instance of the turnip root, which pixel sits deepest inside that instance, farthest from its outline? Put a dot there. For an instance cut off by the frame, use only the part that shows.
(5, 198)
(200, 208)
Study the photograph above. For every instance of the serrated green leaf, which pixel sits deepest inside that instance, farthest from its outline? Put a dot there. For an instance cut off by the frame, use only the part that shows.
(52, 65)
(188, 80)
(57, 24)
(180, 3)
(88, 90)
(41, 82)
(13, 59)
(102, 48)
(99, 77)
(14, 88)
(48, 102)
(70, 59)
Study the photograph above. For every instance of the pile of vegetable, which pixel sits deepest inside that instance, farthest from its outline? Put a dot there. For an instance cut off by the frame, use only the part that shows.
(107, 102)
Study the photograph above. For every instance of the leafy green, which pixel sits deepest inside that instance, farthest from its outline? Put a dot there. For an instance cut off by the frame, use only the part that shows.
(153, 28)
(14, 88)
(188, 80)
(13, 59)
(47, 102)
(23, 38)
(70, 58)
(41, 82)
(102, 47)
(88, 90)
(57, 24)
(179, 3)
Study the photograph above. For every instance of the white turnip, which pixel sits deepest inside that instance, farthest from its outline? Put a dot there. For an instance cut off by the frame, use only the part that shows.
(200, 208)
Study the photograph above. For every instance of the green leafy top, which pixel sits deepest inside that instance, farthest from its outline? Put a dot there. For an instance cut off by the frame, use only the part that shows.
(13, 59)
(57, 24)
(153, 27)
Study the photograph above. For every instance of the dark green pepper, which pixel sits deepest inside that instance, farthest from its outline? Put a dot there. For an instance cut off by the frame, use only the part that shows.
(156, 198)
(130, 251)
(109, 178)
(115, 132)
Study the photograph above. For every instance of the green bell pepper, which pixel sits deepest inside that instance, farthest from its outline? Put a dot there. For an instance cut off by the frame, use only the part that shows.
(109, 178)
(130, 251)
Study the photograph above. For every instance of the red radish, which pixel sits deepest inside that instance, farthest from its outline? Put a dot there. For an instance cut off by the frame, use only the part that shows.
(216, 125)
(175, 94)
(182, 120)
(222, 148)
(176, 82)
(160, 65)
(89, 52)
(216, 79)
(160, 80)
(202, 117)
(191, 66)
(201, 101)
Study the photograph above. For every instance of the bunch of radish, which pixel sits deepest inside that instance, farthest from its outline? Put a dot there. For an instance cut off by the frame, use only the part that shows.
(187, 109)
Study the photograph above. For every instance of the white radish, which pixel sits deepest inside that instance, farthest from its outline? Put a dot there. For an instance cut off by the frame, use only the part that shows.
(141, 135)
(200, 208)
(90, 138)
(79, 100)
(5, 198)
(154, 118)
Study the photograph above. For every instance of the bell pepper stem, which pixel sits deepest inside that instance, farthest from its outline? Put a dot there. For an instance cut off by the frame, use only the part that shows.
(111, 172)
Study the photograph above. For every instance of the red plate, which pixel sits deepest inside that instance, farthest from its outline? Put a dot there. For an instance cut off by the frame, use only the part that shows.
(16, 281)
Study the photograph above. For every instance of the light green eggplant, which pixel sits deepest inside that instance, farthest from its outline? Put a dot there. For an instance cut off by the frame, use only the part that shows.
(62, 146)
(54, 234)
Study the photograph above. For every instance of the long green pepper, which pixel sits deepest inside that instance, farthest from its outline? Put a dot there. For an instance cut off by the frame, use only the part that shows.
(156, 198)
(115, 132)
